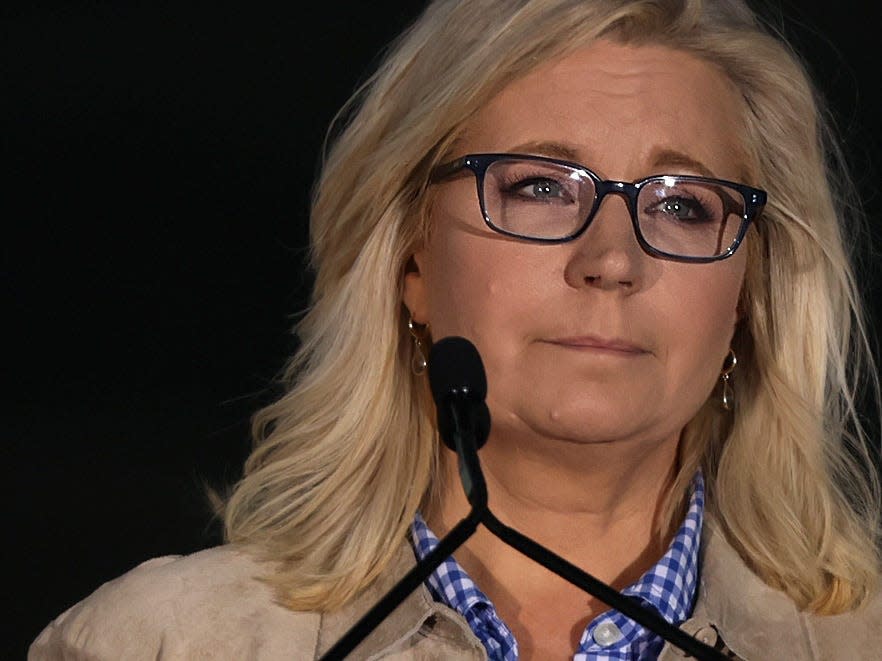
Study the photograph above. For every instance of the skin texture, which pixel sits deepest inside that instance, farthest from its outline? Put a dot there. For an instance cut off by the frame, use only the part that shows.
(585, 431)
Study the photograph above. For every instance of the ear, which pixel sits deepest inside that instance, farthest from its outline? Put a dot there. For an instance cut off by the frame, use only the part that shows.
(415, 290)
(741, 307)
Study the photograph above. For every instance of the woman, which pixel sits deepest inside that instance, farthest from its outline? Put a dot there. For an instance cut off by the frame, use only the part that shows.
(627, 207)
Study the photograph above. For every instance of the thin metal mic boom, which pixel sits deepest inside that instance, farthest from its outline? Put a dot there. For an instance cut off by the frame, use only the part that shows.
(468, 430)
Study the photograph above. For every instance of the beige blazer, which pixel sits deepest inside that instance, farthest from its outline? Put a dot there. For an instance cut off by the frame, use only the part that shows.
(210, 605)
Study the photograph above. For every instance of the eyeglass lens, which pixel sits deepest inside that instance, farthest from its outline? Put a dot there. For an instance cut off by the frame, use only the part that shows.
(542, 200)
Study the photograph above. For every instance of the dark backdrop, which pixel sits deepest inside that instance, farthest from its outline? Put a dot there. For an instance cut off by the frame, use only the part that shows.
(157, 162)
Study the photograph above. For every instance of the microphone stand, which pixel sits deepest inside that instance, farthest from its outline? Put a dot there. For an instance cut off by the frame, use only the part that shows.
(462, 414)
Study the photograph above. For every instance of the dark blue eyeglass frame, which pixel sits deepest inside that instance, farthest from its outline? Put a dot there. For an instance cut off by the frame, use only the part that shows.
(752, 199)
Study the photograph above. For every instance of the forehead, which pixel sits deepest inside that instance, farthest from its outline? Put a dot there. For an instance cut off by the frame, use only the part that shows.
(615, 107)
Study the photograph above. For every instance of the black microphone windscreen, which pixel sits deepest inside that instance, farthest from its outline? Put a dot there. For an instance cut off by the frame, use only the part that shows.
(455, 366)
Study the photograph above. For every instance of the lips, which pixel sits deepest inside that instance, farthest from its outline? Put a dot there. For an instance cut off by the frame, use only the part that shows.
(593, 342)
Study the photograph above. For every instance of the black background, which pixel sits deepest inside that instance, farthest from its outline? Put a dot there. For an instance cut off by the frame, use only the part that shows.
(158, 158)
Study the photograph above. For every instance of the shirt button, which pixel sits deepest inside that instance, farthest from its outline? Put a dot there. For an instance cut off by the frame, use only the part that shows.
(606, 634)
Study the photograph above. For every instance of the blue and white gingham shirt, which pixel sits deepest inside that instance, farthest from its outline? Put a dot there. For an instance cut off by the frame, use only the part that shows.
(668, 587)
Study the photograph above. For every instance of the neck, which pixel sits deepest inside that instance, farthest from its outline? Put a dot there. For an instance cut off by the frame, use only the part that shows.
(596, 505)
(553, 489)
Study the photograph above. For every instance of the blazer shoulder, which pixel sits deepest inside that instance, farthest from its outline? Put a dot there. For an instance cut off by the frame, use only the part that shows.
(856, 634)
(211, 604)
(758, 621)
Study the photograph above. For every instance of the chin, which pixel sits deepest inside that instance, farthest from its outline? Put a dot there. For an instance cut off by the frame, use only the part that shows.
(582, 427)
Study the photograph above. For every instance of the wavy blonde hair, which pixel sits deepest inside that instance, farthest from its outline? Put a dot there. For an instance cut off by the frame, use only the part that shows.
(344, 459)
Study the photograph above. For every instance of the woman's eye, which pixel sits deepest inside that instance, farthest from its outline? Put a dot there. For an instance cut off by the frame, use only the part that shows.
(681, 208)
(543, 190)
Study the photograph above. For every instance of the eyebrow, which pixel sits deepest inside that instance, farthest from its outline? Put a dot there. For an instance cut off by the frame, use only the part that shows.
(661, 157)
(673, 158)
(545, 148)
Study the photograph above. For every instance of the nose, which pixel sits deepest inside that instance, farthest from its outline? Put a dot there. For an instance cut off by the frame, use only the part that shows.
(607, 255)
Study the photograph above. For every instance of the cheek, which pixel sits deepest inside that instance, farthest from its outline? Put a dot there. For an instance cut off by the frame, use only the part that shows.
(476, 285)
(710, 305)
(701, 330)
(457, 286)
(719, 297)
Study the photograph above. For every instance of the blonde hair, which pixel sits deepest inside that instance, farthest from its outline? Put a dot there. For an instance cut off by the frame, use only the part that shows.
(344, 459)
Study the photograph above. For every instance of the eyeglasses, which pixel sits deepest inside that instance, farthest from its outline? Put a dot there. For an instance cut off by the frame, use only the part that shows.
(678, 217)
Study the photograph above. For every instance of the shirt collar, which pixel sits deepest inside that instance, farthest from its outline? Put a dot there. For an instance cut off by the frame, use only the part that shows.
(669, 586)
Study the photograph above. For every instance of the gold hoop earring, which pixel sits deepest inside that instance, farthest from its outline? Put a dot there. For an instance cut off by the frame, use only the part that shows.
(418, 363)
(728, 367)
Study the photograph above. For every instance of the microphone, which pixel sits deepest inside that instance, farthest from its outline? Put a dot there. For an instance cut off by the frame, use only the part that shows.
(456, 368)
(459, 388)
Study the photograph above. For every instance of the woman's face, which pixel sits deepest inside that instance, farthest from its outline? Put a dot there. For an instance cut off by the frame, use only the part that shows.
(591, 340)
